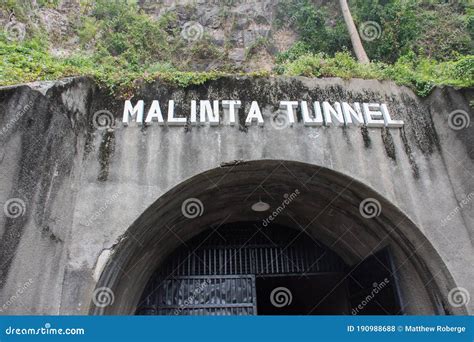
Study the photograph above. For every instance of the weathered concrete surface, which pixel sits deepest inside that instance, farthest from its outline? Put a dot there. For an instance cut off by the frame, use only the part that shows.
(83, 188)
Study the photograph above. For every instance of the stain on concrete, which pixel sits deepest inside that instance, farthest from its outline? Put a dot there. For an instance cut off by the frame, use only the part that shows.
(388, 144)
(411, 158)
(106, 151)
(365, 136)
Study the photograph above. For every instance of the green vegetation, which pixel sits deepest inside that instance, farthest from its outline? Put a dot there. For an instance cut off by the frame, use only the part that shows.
(421, 44)
(437, 29)
(316, 33)
(30, 62)
(416, 43)
(422, 74)
(128, 46)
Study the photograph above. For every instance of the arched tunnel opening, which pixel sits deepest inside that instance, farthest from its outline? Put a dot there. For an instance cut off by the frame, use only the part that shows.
(307, 222)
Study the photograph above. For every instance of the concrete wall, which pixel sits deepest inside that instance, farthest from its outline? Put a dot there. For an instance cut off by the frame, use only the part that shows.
(80, 188)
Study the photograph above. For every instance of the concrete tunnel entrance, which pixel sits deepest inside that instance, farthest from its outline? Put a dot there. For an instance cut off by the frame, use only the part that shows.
(274, 237)
(242, 269)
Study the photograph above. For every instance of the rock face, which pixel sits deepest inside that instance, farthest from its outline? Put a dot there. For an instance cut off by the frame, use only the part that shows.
(71, 190)
(238, 24)
(244, 33)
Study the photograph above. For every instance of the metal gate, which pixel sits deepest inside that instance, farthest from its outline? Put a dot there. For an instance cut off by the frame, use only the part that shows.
(204, 295)
(215, 273)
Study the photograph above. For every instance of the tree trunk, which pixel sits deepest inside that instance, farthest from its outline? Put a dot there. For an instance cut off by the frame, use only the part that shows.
(353, 33)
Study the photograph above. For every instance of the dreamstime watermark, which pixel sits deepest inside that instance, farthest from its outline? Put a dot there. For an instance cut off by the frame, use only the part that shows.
(370, 208)
(15, 31)
(459, 119)
(192, 31)
(370, 31)
(19, 292)
(465, 201)
(192, 208)
(103, 119)
(17, 117)
(280, 121)
(102, 297)
(459, 297)
(377, 288)
(14, 207)
(233, 2)
(280, 297)
(437, 2)
(11, 123)
(286, 202)
(190, 300)
(286, 26)
(103, 208)
(46, 330)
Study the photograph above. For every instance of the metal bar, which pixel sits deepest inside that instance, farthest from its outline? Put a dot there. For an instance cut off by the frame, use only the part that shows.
(225, 261)
(297, 274)
(276, 259)
(227, 305)
(242, 270)
(266, 261)
(230, 276)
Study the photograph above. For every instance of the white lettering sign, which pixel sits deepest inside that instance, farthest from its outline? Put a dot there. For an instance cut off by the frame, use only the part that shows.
(317, 113)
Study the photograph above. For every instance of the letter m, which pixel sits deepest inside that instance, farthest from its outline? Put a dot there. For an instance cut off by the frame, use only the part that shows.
(129, 112)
